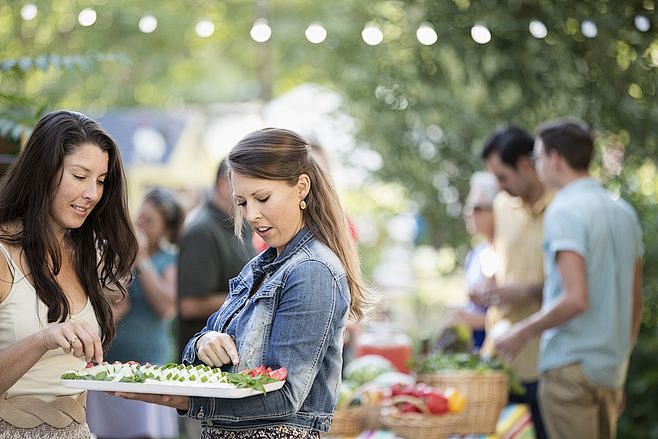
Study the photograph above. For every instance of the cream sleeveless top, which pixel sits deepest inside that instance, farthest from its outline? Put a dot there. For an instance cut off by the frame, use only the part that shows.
(22, 313)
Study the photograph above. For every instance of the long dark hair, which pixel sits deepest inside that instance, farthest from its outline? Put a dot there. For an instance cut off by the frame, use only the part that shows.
(104, 247)
(278, 154)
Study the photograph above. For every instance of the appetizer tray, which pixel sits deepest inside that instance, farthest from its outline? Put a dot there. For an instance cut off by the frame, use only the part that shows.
(172, 388)
(175, 379)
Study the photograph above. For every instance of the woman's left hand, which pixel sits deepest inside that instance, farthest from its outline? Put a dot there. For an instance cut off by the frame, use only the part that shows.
(176, 401)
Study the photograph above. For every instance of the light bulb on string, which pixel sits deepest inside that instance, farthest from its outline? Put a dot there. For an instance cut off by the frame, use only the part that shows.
(29, 12)
(260, 32)
(315, 33)
(589, 29)
(642, 23)
(537, 29)
(480, 34)
(426, 34)
(87, 17)
(148, 24)
(204, 28)
(372, 35)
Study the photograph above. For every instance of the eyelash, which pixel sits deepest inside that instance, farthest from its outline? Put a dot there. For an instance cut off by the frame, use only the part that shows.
(244, 203)
(79, 177)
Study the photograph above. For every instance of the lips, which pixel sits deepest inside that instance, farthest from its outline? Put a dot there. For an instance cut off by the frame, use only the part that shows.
(262, 230)
(80, 209)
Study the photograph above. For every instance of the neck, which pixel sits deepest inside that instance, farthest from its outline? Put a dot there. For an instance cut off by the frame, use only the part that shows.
(571, 176)
(534, 193)
(60, 236)
(153, 248)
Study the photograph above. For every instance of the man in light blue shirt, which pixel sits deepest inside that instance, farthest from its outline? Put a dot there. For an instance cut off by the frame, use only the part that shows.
(592, 301)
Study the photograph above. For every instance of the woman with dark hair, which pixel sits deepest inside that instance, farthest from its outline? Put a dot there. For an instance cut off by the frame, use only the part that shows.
(147, 312)
(289, 305)
(67, 247)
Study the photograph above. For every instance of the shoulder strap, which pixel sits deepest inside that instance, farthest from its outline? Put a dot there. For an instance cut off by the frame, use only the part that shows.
(10, 260)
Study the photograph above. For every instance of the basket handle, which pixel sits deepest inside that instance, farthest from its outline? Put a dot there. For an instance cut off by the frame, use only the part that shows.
(413, 400)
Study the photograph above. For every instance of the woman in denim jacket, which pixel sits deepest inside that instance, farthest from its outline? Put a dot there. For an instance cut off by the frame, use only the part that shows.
(288, 306)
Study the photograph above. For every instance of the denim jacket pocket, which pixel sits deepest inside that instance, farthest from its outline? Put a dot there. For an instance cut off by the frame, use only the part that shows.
(263, 303)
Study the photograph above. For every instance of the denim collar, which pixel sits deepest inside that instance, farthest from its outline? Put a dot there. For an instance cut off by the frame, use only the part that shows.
(269, 262)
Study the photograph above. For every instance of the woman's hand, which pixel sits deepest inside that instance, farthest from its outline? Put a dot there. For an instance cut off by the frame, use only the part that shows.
(74, 336)
(143, 246)
(176, 401)
(217, 349)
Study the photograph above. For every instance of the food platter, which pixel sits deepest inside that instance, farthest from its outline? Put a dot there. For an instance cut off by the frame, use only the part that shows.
(175, 379)
(213, 390)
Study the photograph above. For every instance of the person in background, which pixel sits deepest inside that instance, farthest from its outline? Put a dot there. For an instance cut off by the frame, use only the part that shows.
(479, 266)
(67, 246)
(144, 330)
(518, 221)
(592, 305)
(289, 305)
(209, 256)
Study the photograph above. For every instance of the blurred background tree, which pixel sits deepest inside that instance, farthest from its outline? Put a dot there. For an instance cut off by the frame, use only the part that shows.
(422, 110)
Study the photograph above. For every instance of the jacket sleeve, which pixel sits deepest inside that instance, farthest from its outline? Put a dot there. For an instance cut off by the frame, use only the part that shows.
(311, 309)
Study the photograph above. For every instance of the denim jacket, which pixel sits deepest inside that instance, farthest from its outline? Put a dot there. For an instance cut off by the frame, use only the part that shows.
(295, 320)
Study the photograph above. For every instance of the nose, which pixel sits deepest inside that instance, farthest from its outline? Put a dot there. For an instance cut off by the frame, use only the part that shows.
(90, 192)
(252, 212)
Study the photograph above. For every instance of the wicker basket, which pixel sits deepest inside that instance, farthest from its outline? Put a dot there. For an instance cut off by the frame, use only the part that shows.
(347, 421)
(418, 425)
(485, 393)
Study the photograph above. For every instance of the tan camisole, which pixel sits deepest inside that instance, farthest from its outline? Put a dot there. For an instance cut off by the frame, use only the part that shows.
(22, 314)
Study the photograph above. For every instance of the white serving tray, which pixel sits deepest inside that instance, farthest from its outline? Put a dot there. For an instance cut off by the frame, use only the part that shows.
(218, 390)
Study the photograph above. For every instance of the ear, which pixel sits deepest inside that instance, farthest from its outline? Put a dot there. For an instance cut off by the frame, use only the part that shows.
(303, 186)
(525, 163)
(554, 158)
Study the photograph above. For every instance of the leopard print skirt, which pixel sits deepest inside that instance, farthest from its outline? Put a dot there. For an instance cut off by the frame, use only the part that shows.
(45, 431)
(275, 432)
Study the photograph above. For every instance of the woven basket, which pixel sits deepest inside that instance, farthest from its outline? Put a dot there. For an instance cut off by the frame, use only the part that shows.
(348, 421)
(418, 425)
(485, 393)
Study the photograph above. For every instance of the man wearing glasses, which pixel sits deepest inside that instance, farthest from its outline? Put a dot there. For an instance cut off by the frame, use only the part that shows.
(518, 215)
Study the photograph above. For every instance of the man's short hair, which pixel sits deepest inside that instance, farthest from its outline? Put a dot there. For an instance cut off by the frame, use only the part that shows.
(222, 170)
(571, 138)
(510, 143)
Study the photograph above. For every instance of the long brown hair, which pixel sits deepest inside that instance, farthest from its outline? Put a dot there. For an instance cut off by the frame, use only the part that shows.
(278, 154)
(104, 247)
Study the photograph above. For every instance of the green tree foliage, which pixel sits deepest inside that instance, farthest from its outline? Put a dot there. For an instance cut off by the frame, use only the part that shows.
(425, 109)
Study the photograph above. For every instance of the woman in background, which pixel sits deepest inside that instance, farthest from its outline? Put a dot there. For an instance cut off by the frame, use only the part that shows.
(480, 263)
(144, 332)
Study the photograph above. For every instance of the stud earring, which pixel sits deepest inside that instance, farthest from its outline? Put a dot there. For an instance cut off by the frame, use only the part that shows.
(302, 204)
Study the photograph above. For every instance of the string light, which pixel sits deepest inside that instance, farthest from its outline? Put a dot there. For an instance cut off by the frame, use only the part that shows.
(29, 12)
(589, 29)
(372, 35)
(315, 33)
(480, 34)
(148, 24)
(642, 23)
(426, 34)
(260, 32)
(87, 17)
(204, 28)
(538, 29)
